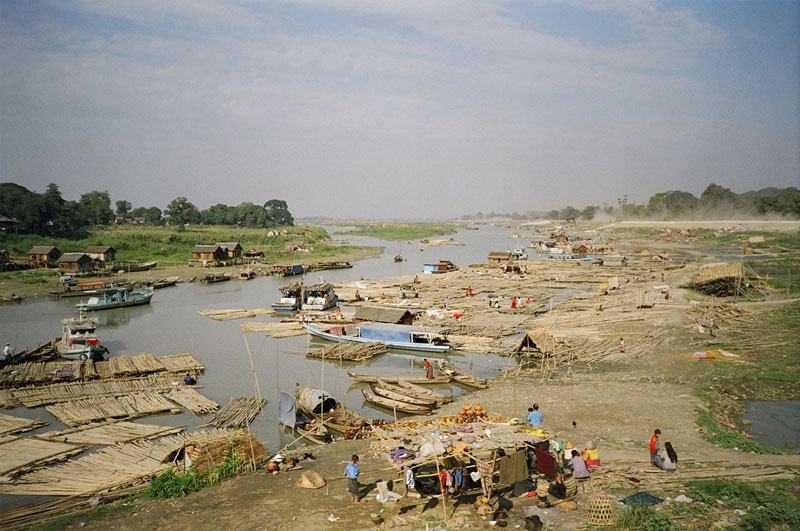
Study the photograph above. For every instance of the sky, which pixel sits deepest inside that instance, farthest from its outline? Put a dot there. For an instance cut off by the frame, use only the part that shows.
(399, 109)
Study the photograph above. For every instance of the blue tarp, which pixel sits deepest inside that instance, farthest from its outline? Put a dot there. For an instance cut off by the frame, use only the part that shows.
(287, 409)
(385, 334)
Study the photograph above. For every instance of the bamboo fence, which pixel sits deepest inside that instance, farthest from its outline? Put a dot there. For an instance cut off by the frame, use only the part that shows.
(77, 412)
(237, 412)
(20, 455)
(10, 424)
(110, 433)
(192, 400)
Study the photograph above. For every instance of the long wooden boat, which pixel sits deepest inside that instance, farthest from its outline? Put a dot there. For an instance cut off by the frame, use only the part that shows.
(165, 282)
(71, 288)
(396, 404)
(334, 416)
(469, 380)
(368, 378)
(312, 431)
(146, 266)
(387, 392)
(116, 298)
(418, 391)
(287, 270)
(397, 336)
(322, 266)
(212, 278)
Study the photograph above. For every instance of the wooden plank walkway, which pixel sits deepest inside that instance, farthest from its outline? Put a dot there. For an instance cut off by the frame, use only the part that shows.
(110, 433)
(19, 455)
(10, 424)
(77, 412)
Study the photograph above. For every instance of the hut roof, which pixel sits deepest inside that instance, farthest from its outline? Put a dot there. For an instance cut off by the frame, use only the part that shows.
(230, 246)
(42, 249)
(73, 257)
(537, 340)
(99, 249)
(206, 248)
(380, 314)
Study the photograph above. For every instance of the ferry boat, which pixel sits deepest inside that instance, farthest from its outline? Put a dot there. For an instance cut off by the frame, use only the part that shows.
(78, 340)
(107, 299)
(443, 266)
(407, 337)
(319, 297)
(290, 298)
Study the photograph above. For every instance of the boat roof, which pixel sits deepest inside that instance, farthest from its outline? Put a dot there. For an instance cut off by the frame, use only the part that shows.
(391, 327)
(76, 323)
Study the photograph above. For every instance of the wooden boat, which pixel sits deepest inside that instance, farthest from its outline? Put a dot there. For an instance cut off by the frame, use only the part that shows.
(146, 266)
(287, 270)
(387, 392)
(334, 416)
(312, 430)
(68, 287)
(319, 297)
(78, 340)
(290, 298)
(247, 273)
(397, 405)
(212, 278)
(398, 257)
(322, 266)
(419, 391)
(367, 378)
(405, 337)
(442, 266)
(164, 282)
(469, 380)
(116, 298)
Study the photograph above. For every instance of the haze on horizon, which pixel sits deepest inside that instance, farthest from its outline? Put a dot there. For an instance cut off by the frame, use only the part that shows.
(418, 109)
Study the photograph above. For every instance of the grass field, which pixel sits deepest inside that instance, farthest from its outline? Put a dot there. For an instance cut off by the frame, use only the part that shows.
(402, 231)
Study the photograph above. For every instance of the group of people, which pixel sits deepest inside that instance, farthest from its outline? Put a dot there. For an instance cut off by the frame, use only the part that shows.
(666, 459)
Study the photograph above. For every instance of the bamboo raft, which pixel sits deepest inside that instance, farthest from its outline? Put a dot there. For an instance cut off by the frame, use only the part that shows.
(275, 330)
(237, 412)
(51, 394)
(114, 467)
(7, 399)
(9, 424)
(110, 433)
(350, 351)
(193, 401)
(238, 313)
(19, 455)
(88, 410)
(37, 373)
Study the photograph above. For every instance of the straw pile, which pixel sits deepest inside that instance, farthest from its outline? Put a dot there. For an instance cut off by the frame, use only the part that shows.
(192, 400)
(213, 454)
(110, 433)
(350, 351)
(9, 424)
(276, 330)
(50, 394)
(237, 412)
(87, 410)
(21, 455)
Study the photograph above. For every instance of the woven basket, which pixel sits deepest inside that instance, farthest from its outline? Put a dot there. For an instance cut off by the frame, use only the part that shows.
(601, 510)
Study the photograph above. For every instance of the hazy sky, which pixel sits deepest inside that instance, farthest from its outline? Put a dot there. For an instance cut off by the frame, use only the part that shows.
(399, 109)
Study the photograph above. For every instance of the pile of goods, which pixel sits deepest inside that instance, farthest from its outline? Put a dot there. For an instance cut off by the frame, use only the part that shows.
(468, 414)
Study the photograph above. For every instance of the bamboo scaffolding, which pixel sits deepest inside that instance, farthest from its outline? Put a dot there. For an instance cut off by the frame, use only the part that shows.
(190, 399)
(50, 394)
(110, 433)
(10, 424)
(237, 412)
(350, 351)
(20, 455)
(77, 412)
(114, 467)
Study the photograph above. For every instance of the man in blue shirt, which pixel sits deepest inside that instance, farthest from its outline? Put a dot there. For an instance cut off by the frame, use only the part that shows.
(352, 472)
(534, 417)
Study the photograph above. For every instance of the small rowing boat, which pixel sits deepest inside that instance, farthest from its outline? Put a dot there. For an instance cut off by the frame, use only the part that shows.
(367, 378)
(418, 391)
(397, 405)
(469, 380)
(393, 394)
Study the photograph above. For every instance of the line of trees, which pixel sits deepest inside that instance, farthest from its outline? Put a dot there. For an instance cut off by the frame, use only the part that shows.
(715, 202)
(49, 214)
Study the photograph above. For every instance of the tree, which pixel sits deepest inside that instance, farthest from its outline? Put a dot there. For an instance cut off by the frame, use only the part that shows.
(715, 196)
(96, 208)
(278, 212)
(181, 212)
(250, 215)
(123, 208)
(589, 212)
(570, 213)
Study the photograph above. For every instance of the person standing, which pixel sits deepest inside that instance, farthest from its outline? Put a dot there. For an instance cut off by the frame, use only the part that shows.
(654, 446)
(621, 344)
(7, 352)
(428, 369)
(351, 473)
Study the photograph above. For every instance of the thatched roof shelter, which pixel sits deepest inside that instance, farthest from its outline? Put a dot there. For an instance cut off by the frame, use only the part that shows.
(381, 314)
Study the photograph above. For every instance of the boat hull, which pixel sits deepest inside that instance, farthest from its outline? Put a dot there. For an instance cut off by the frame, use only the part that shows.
(424, 347)
(401, 397)
(366, 378)
(396, 405)
(110, 305)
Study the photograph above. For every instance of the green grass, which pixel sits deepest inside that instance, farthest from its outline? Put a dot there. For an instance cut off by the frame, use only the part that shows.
(100, 512)
(402, 231)
(638, 516)
(768, 504)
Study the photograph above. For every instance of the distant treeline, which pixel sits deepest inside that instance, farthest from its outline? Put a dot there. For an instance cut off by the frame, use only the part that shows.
(51, 215)
(716, 202)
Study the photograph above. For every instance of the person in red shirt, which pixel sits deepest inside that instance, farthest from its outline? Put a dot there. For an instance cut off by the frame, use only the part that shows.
(654, 445)
(514, 302)
(428, 369)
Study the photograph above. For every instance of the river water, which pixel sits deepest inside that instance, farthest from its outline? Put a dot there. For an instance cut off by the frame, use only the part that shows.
(170, 325)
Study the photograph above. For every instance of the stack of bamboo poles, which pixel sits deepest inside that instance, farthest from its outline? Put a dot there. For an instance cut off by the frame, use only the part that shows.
(120, 366)
(37, 372)
(181, 363)
(50, 394)
(276, 330)
(77, 412)
(237, 412)
(9, 424)
(19, 455)
(7, 399)
(192, 400)
(239, 313)
(110, 433)
(350, 351)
